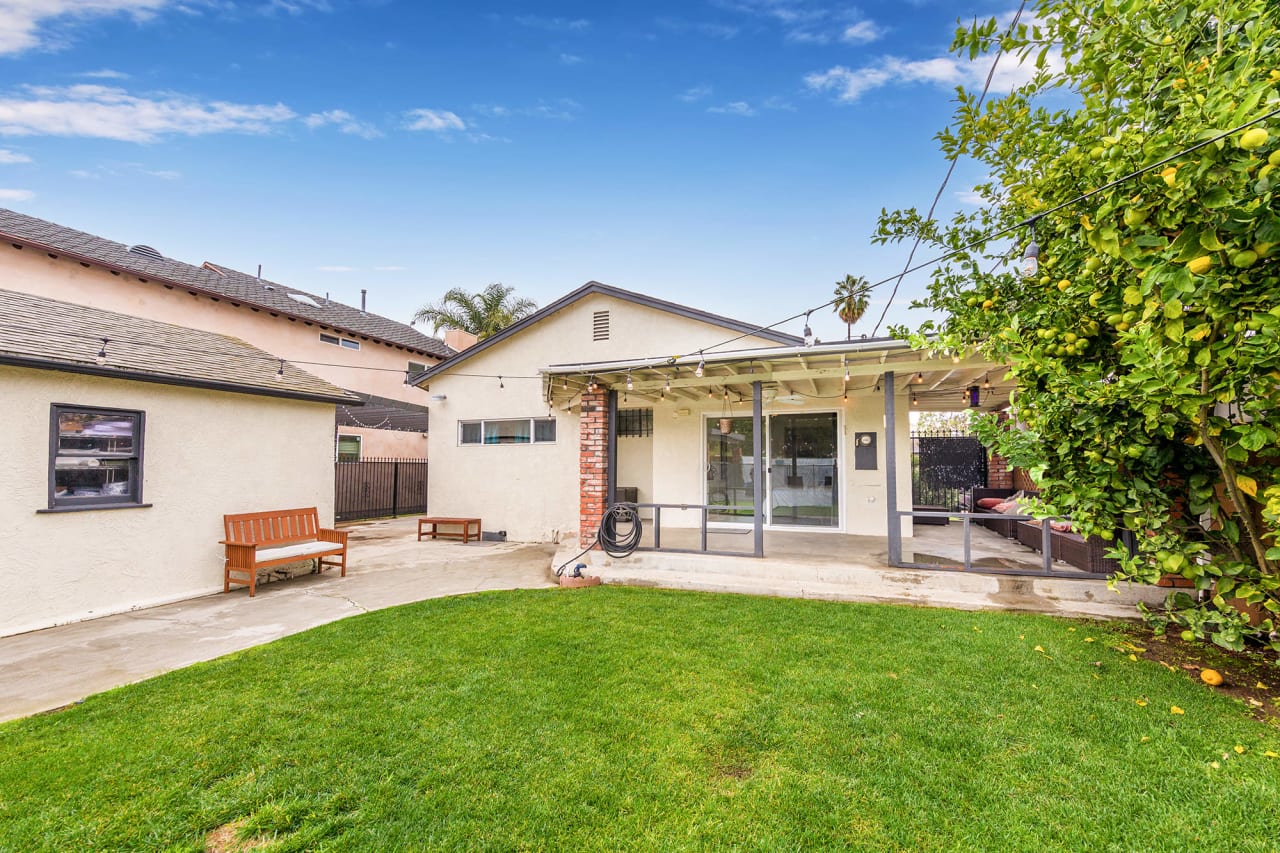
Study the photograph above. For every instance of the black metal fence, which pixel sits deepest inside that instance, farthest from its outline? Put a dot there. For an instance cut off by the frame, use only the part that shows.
(945, 466)
(378, 488)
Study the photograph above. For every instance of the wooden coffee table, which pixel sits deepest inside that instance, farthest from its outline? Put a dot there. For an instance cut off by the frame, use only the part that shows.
(464, 533)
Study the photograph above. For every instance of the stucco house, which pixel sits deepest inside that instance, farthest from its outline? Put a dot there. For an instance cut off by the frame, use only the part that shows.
(608, 394)
(128, 441)
(349, 347)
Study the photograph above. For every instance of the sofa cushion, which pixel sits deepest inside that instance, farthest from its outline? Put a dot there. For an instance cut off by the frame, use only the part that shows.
(990, 503)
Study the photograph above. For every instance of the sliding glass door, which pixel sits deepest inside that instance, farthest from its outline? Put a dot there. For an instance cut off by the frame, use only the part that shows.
(803, 479)
(801, 483)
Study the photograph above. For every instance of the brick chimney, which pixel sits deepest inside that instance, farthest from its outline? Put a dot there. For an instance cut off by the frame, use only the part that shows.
(458, 340)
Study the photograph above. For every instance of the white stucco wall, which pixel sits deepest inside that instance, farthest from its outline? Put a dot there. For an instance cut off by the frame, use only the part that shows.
(531, 490)
(207, 453)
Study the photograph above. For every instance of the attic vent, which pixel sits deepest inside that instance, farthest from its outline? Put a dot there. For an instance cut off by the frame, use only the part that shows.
(600, 326)
(146, 252)
(304, 299)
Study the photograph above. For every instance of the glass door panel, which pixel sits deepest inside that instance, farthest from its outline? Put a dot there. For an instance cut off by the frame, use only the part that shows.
(802, 457)
(730, 470)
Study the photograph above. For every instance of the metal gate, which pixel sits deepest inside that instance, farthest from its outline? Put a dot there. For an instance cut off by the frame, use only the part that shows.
(945, 467)
(377, 488)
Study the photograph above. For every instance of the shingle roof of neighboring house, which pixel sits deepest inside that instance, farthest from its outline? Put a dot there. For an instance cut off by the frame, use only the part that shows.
(215, 280)
(594, 287)
(52, 335)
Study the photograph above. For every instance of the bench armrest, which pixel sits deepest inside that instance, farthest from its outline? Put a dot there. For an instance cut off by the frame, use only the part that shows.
(325, 534)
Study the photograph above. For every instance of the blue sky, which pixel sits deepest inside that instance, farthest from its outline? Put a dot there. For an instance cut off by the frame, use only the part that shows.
(729, 154)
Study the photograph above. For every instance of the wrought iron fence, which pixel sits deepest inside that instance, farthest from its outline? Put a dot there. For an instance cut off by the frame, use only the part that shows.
(378, 488)
(945, 467)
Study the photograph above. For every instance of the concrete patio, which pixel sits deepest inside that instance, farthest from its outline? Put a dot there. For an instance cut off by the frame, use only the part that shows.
(833, 566)
(48, 669)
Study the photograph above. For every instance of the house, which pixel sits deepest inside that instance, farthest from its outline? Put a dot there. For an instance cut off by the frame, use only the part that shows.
(608, 394)
(128, 441)
(349, 347)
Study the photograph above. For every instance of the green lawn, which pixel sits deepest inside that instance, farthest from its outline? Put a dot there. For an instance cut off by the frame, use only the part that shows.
(625, 718)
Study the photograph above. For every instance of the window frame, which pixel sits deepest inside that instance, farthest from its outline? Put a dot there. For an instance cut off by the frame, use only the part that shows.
(136, 461)
(339, 341)
(337, 446)
(533, 432)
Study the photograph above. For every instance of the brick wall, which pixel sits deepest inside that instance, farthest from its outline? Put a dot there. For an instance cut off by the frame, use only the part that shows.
(593, 433)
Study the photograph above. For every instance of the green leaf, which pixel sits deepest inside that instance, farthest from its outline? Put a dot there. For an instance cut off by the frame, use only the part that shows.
(1247, 484)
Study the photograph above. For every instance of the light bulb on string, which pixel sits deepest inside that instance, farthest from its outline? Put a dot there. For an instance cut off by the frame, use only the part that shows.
(101, 357)
(629, 385)
(1031, 258)
(915, 401)
(500, 385)
(808, 332)
(986, 382)
(918, 378)
(280, 370)
(702, 366)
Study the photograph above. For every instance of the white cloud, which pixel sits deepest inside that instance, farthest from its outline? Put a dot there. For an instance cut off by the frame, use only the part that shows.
(344, 121)
(559, 25)
(8, 158)
(863, 32)
(850, 84)
(337, 268)
(105, 74)
(697, 93)
(734, 108)
(562, 109)
(971, 197)
(438, 121)
(569, 59)
(127, 170)
(16, 195)
(23, 22)
(106, 112)
(391, 268)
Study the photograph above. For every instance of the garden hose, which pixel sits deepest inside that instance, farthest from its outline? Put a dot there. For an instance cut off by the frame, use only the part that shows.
(618, 535)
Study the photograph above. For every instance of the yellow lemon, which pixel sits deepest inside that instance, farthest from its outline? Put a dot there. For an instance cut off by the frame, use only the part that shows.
(1200, 265)
(1211, 677)
(1254, 137)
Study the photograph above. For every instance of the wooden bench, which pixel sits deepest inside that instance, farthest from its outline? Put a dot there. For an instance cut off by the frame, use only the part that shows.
(260, 540)
(434, 522)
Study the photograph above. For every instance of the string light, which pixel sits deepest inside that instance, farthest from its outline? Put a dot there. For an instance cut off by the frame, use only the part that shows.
(986, 382)
(918, 378)
(101, 358)
(280, 370)
(1031, 258)
(808, 333)
(915, 401)
(500, 385)
(702, 366)
(591, 384)
(629, 385)
(406, 376)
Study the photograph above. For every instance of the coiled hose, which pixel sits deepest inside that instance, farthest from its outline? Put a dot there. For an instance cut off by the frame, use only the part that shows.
(619, 534)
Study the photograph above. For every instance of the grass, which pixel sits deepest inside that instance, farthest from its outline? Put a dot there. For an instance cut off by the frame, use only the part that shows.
(624, 718)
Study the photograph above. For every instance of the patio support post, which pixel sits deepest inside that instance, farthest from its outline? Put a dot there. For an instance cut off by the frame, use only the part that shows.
(891, 470)
(611, 452)
(757, 476)
(593, 427)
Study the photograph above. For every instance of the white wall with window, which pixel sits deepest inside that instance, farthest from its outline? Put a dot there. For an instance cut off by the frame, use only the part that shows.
(113, 495)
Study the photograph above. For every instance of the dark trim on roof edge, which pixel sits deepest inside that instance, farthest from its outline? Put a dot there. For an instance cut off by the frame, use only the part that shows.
(158, 379)
(595, 287)
(222, 297)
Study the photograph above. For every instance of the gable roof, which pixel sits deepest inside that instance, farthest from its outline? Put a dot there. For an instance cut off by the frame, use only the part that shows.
(595, 287)
(49, 334)
(216, 280)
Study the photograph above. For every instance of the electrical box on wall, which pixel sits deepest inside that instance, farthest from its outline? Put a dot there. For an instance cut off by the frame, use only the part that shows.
(864, 451)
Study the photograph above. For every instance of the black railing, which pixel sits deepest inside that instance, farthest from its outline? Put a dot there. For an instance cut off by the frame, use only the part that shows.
(379, 488)
(703, 510)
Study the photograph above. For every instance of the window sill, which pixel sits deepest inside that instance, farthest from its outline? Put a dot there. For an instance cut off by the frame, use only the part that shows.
(92, 508)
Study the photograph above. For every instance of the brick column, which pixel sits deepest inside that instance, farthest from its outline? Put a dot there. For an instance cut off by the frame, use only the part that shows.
(999, 471)
(593, 428)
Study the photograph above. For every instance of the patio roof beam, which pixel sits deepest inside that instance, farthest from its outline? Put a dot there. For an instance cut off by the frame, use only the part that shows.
(834, 372)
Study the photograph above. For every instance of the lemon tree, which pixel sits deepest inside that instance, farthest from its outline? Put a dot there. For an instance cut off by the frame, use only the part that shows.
(1146, 347)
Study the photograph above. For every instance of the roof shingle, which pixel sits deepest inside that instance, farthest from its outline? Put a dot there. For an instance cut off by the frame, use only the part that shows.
(217, 280)
(50, 334)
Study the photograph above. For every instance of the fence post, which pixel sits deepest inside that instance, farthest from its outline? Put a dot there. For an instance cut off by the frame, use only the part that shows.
(395, 487)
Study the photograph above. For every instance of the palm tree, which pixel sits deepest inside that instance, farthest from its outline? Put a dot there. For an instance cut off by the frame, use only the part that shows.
(482, 314)
(852, 299)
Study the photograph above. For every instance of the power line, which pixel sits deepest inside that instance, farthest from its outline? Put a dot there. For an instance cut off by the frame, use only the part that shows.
(955, 158)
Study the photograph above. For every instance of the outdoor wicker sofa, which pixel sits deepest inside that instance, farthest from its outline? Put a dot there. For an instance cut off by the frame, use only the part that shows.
(1068, 547)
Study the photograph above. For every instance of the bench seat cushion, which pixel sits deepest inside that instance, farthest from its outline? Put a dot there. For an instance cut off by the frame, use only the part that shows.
(296, 551)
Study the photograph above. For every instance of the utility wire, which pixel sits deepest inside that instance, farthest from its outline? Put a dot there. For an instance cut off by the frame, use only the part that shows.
(955, 158)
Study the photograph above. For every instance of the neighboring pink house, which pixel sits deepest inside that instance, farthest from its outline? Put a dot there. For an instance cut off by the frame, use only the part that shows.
(350, 347)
